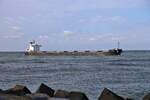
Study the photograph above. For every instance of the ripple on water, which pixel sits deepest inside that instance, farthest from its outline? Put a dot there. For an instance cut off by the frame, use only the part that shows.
(127, 75)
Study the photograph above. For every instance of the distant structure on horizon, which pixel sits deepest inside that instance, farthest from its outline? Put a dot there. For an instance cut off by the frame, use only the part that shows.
(34, 49)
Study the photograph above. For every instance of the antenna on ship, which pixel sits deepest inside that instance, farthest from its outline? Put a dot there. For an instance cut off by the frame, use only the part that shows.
(118, 44)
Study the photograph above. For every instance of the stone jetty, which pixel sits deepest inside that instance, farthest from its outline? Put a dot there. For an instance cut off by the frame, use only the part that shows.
(44, 92)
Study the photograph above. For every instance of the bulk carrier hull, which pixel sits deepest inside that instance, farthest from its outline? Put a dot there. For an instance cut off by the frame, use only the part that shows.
(111, 52)
(34, 50)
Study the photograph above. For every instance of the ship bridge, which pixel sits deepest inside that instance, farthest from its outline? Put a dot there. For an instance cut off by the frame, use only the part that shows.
(33, 47)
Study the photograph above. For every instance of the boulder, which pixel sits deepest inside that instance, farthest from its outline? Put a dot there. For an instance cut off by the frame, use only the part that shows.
(129, 99)
(109, 95)
(61, 94)
(1, 90)
(18, 90)
(13, 97)
(147, 97)
(58, 98)
(77, 96)
(44, 89)
(38, 96)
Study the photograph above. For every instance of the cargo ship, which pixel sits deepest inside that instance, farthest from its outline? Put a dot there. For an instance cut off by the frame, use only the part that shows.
(34, 50)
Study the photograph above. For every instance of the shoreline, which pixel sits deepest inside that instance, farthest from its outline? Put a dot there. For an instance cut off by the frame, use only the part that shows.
(44, 92)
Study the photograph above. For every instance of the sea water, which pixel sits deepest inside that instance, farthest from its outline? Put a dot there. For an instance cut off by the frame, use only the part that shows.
(127, 75)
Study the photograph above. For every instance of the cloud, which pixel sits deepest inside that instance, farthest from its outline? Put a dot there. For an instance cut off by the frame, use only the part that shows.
(43, 37)
(8, 20)
(14, 21)
(117, 19)
(21, 18)
(15, 28)
(98, 4)
(91, 21)
(11, 32)
(92, 39)
(68, 33)
(54, 8)
(11, 35)
(106, 37)
(104, 19)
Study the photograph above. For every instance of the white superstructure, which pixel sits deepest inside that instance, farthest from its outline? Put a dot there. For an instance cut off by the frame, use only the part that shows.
(33, 47)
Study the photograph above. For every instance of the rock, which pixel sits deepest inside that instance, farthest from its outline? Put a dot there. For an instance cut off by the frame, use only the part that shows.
(77, 96)
(129, 99)
(59, 98)
(45, 90)
(13, 97)
(61, 94)
(147, 97)
(1, 90)
(18, 90)
(109, 95)
(38, 96)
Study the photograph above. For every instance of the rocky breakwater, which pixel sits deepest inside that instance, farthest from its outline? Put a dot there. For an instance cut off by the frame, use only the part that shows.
(44, 92)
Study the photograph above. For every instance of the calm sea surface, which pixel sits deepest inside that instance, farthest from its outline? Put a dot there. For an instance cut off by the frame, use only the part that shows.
(127, 75)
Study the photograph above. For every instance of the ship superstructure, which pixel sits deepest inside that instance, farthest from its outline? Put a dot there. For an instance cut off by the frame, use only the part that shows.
(33, 47)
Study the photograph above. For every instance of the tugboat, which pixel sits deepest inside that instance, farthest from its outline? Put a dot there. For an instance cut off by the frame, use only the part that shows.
(34, 50)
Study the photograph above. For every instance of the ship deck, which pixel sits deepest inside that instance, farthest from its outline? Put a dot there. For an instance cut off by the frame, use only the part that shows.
(74, 53)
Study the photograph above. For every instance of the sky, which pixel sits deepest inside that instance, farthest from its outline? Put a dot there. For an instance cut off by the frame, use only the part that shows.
(75, 24)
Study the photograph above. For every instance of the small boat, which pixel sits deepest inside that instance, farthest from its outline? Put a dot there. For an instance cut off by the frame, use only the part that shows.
(34, 50)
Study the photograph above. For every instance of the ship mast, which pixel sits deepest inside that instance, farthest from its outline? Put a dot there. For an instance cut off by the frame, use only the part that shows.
(118, 44)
